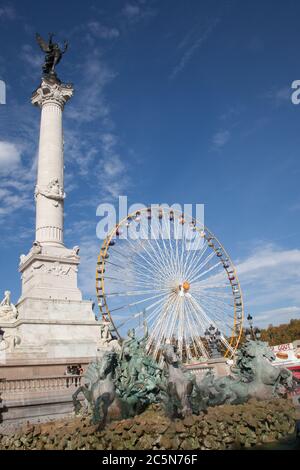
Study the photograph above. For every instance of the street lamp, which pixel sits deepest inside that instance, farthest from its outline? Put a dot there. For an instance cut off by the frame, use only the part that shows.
(213, 336)
(252, 333)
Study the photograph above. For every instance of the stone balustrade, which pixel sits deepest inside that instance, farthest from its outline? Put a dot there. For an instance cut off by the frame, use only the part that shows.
(60, 382)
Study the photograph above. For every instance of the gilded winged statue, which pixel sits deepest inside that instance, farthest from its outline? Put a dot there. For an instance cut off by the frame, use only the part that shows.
(53, 53)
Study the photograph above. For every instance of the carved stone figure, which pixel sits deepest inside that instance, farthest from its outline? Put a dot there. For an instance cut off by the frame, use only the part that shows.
(53, 54)
(106, 340)
(52, 191)
(8, 311)
(9, 341)
(75, 250)
(36, 248)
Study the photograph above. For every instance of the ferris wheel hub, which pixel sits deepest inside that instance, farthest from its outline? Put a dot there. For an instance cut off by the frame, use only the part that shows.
(183, 289)
(186, 286)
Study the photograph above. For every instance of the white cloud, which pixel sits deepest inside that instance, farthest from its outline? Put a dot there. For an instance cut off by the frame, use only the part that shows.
(221, 138)
(7, 13)
(101, 31)
(192, 46)
(31, 57)
(91, 104)
(270, 279)
(275, 314)
(89, 249)
(131, 10)
(99, 148)
(280, 96)
(10, 156)
(137, 11)
(112, 171)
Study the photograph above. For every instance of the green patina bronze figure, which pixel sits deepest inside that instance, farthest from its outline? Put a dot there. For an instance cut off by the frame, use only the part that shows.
(53, 54)
(134, 380)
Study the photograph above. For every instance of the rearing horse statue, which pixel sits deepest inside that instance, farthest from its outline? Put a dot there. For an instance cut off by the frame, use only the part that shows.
(99, 391)
(180, 383)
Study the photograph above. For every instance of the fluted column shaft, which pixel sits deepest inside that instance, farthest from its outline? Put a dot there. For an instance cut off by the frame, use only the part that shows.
(49, 192)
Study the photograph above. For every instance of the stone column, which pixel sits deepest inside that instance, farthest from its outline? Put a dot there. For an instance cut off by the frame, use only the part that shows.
(49, 192)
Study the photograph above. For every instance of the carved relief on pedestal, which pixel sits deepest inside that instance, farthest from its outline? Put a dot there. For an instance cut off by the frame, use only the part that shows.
(8, 341)
(53, 191)
(52, 92)
(54, 268)
(8, 311)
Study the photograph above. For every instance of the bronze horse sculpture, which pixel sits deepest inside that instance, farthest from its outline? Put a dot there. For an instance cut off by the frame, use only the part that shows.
(253, 376)
(99, 389)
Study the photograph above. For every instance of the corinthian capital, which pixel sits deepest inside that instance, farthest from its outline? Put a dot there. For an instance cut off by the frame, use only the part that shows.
(52, 92)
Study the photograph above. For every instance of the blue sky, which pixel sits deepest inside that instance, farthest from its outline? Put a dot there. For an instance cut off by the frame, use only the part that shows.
(175, 101)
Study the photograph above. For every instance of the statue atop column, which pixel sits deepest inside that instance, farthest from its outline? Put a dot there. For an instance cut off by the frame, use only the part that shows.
(53, 55)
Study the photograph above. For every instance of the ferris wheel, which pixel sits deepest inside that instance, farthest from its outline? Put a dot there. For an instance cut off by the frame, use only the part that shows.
(162, 266)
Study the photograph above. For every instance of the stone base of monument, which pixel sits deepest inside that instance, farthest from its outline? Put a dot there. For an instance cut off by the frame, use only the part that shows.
(36, 405)
(52, 329)
(38, 390)
(47, 338)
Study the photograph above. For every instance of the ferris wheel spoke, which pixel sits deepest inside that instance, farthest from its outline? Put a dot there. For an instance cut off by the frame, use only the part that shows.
(129, 293)
(146, 275)
(206, 271)
(205, 285)
(159, 253)
(212, 322)
(166, 308)
(195, 320)
(214, 295)
(215, 313)
(136, 303)
(141, 313)
(171, 320)
(163, 255)
(171, 250)
(209, 286)
(190, 258)
(193, 264)
(161, 327)
(152, 316)
(171, 260)
(207, 321)
(153, 263)
(213, 301)
(143, 279)
(199, 267)
(127, 281)
(132, 259)
(190, 334)
(130, 267)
